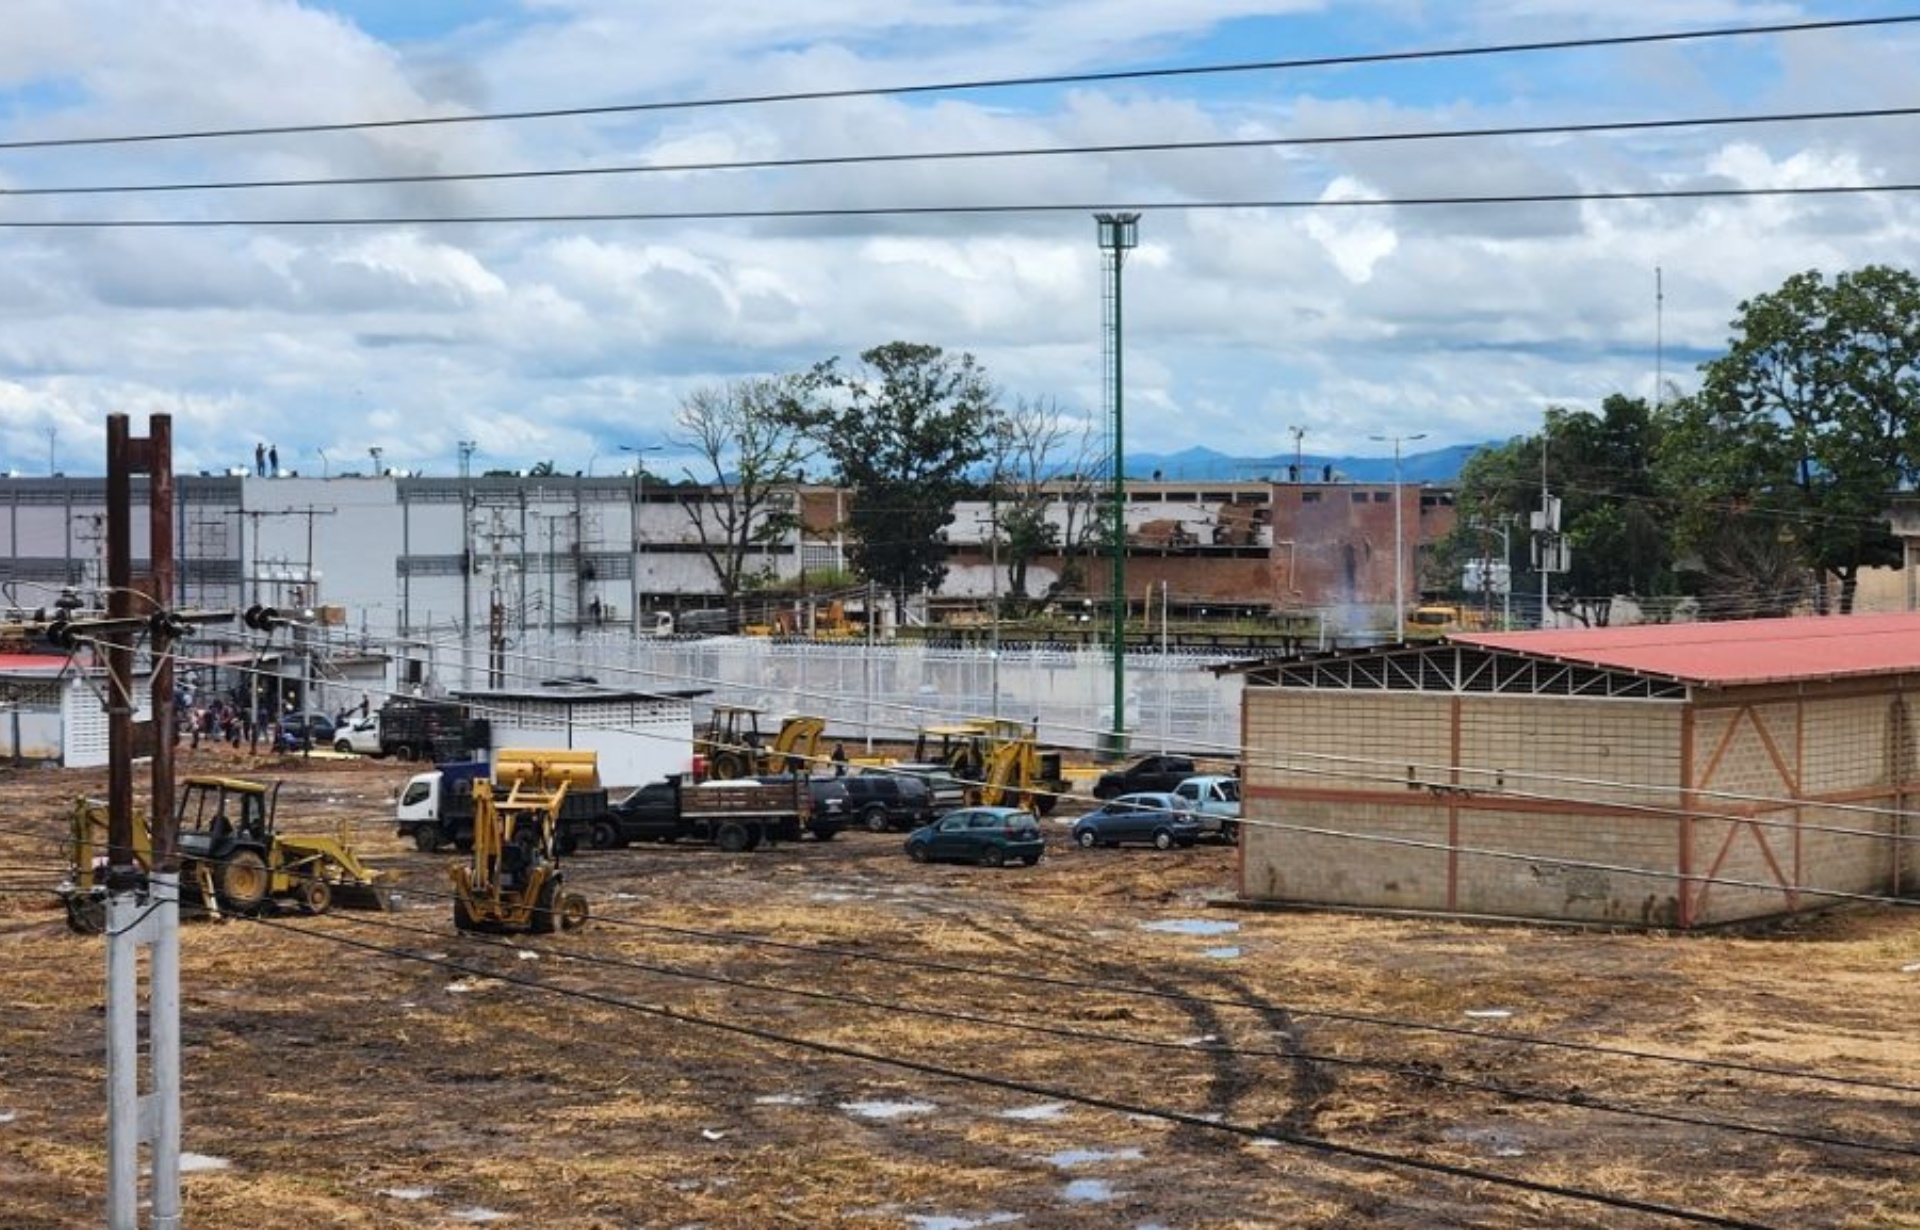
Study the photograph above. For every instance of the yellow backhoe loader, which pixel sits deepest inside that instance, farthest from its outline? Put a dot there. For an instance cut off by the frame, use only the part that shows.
(732, 746)
(999, 762)
(233, 858)
(513, 882)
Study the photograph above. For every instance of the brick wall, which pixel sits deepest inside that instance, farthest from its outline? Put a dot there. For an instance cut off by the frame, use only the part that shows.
(1399, 812)
(1570, 808)
(1845, 744)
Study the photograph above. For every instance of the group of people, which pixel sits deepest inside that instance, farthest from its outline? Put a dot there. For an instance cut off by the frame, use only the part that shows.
(266, 460)
(232, 722)
(222, 721)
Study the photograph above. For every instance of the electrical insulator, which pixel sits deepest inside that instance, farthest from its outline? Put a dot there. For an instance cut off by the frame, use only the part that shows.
(60, 633)
(263, 618)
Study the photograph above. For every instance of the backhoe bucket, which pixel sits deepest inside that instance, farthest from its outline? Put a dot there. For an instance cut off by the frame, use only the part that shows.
(325, 872)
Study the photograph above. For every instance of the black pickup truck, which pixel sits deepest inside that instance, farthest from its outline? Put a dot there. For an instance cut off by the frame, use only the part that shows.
(732, 815)
(1155, 773)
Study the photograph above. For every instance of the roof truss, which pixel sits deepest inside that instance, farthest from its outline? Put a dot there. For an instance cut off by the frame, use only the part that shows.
(1459, 670)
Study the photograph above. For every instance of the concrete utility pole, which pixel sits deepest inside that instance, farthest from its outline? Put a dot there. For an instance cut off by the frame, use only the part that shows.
(1549, 549)
(496, 534)
(635, 596)
(1399, 547)
(137, 918)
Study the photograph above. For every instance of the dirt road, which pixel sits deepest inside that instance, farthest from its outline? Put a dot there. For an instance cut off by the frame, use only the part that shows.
(825, 1035)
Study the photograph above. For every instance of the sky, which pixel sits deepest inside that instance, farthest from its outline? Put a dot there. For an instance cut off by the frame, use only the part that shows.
(332, 320)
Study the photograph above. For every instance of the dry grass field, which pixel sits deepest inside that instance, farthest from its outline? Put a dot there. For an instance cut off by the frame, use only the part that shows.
(825, 1035)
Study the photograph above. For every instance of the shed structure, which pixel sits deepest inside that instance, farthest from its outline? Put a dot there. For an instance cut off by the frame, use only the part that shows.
(53, 711)
(638, 736)
(1676, 775)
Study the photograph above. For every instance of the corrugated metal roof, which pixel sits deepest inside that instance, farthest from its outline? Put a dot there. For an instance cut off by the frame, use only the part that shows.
(32, 663)
(1736, 652)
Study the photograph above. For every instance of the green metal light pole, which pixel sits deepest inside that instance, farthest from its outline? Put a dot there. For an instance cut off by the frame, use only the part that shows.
(1119, 234)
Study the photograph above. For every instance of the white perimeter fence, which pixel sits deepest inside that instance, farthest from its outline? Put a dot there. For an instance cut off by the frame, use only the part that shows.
(1174, 700)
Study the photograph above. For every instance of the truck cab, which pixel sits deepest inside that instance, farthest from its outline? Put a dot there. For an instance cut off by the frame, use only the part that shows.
(1214, 799)
(433, 803)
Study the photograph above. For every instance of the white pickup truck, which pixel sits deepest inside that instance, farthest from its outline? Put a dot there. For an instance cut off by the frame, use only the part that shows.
(1215, 799)
(361, 735)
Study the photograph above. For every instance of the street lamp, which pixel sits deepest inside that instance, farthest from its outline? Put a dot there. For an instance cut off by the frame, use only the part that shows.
(1119, 234)
(1399, 556)
(639, 452)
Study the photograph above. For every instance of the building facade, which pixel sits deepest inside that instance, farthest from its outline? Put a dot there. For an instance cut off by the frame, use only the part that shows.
(404, 557)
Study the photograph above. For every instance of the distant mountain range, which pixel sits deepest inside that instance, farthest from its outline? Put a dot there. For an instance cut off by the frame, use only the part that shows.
(1440, 465)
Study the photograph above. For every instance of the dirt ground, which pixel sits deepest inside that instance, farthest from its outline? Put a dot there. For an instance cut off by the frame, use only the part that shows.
(826, 1035)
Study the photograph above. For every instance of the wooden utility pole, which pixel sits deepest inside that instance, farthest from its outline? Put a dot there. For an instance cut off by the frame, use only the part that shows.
(143, 904)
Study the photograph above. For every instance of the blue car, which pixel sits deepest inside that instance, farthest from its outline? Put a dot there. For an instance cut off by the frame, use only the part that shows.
(994, 836)
(1152, 818)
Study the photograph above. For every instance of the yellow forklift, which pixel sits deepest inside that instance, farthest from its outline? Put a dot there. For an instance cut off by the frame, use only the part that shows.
(513, 882)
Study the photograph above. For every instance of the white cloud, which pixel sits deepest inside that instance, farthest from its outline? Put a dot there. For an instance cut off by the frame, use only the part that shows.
(556, 341)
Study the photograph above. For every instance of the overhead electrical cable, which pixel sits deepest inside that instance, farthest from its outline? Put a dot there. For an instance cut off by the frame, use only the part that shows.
(1292, 1009)
(911, 211)
(991, 83)
(1047, 151)
(1424, 1074)
(1297, 1140)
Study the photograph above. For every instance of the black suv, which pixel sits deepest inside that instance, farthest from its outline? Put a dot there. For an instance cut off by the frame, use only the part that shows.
(1154, 773)
(882, 801)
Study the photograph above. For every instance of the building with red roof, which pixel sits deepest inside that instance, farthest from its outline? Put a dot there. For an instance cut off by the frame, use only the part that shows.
(1672, 775)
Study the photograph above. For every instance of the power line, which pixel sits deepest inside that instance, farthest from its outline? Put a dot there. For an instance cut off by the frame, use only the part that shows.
(1274, 1133)
(1052, 151)
(913, 211)
(1293, 1010)
(1414, 1072)
(990, 83)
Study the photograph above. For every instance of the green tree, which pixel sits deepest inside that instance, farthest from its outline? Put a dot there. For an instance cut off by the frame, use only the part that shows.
(903, 433)
(752, 454)
(1807, 423)
(1601, 466)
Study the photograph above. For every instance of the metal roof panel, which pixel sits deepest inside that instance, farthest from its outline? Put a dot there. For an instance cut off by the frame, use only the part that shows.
(1734, 652)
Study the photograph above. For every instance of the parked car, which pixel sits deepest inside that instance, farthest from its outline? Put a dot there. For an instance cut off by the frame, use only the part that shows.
(299, 731)
(1151, 773)
(1152, 817)
(881, 800)
(990, 835)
